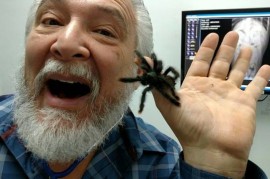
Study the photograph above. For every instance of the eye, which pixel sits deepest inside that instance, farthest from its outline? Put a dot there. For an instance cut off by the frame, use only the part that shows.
(51, 22)
(105, 32)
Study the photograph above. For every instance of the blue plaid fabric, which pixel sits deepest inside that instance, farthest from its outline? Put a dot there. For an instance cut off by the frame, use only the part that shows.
(136, 150)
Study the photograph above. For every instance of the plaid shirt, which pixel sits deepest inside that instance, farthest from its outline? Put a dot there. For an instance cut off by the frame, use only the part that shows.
(136, 150)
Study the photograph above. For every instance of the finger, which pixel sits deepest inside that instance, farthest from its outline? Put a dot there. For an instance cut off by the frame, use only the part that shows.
(221, 64)
(139, 58)
(256, 86)
(149, 61)
(138, 62)
(200, 65)
(240, 67)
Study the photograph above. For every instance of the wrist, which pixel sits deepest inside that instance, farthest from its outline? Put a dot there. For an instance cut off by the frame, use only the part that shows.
(216, 162)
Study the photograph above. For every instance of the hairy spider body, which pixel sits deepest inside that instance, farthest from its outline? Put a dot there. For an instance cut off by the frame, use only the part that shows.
(154, 78)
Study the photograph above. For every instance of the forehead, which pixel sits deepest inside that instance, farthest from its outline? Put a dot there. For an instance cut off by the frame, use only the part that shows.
(122, 9)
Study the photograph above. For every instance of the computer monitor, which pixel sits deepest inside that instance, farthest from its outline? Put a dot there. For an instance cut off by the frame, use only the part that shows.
(253, 26)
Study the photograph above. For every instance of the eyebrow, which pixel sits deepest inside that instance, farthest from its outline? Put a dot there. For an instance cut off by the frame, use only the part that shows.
(115, 13)
(109, 10)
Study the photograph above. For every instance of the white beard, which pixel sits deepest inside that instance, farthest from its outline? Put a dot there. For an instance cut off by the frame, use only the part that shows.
(62, 136)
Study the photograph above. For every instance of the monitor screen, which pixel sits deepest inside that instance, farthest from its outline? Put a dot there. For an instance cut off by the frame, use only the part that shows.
(252, 25)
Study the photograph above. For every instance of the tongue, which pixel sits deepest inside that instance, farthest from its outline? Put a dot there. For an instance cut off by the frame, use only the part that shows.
(67, 90)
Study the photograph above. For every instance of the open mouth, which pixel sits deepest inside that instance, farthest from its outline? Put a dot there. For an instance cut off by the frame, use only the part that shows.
(67, 89)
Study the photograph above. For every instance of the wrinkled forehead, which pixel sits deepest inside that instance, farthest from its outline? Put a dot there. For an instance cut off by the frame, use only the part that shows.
(125, 6)
(123, 9)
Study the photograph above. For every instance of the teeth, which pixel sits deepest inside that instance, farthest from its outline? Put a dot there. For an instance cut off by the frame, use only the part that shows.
(70, 82)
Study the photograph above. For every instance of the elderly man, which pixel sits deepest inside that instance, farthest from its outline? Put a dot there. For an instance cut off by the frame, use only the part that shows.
(70, 118)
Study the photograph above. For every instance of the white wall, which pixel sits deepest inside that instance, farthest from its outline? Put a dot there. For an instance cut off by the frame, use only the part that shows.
(12, 19)
(166, 17)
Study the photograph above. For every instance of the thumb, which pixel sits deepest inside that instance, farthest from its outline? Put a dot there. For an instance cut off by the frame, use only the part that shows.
(138, 62)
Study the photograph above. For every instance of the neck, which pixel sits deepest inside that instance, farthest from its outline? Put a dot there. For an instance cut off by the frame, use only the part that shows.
(78, 171)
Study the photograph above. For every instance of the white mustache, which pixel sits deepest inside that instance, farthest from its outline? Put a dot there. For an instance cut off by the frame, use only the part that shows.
(73, 69)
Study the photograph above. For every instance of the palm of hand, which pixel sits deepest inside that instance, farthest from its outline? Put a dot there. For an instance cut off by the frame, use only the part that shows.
(215, 115)
(215, 110)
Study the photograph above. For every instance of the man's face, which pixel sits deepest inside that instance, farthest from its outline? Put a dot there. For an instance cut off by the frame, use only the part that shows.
(98, 34)
(75, 54)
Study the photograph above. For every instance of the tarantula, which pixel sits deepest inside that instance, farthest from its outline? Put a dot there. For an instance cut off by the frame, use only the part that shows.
(154, 78)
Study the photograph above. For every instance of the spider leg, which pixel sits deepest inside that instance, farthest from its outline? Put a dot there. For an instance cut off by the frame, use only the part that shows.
(144, 97)
(144, 64)
(171, 69)
(174, 94)
(167, 96)
(130, 80)
(158, 65)
(170, 86)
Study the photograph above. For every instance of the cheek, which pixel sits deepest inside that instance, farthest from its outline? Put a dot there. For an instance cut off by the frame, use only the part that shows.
(115, 66)
(35, 55)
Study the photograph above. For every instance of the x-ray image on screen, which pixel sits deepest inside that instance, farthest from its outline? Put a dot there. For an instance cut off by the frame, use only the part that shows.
(252, 32)
(252, 25)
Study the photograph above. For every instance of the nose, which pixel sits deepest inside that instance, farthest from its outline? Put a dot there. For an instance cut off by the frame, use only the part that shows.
(70, 44)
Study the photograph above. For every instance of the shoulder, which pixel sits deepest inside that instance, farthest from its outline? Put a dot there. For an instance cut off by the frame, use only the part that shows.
(6, 111)
(6, 102)
(8, 144)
